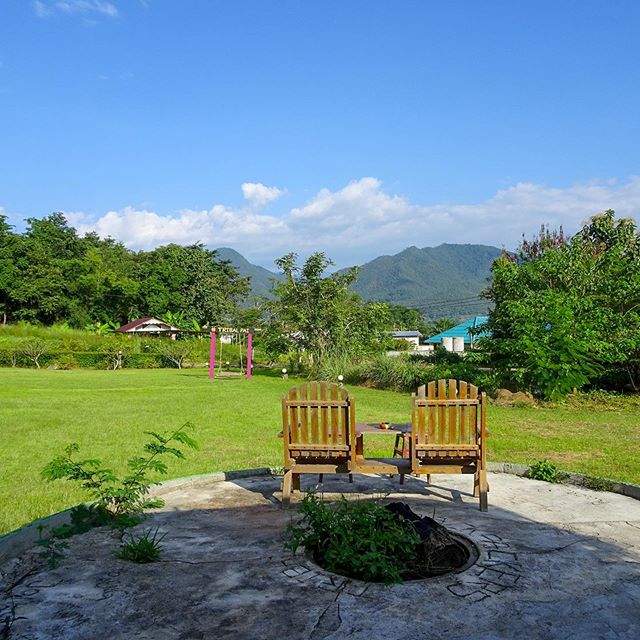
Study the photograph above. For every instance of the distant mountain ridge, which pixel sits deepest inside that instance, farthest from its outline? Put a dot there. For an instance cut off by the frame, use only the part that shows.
(260, 277)
(442, 281)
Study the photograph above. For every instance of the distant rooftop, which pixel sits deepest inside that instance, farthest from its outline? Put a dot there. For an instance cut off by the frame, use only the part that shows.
(462, 331)
(406, 334)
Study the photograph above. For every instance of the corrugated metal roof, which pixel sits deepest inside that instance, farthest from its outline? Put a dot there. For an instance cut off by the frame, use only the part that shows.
(461, 331)
(406, 334)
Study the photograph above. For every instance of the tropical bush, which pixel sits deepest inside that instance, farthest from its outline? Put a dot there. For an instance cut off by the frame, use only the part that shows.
(567, 310)
(404, 373)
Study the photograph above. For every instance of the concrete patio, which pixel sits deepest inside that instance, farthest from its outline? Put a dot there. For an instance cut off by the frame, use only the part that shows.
(556, 561)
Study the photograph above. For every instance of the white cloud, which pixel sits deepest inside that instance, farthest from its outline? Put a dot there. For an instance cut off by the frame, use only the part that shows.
(259, 195)
(361, 221)
(41, 9)
(215, 227)
(101, 7)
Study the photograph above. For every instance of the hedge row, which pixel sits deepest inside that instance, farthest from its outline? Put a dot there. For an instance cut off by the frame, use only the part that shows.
(86, 360)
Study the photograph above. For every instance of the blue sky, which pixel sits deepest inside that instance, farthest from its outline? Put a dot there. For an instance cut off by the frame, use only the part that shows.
(356, 128)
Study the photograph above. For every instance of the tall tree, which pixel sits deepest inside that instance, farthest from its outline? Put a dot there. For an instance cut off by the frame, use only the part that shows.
(189, 279)
(567, 311)
(8, 268)
(319, 314)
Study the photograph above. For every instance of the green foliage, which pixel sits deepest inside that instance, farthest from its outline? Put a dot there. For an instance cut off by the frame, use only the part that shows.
(405, 372)
(127, 495)
(143, 548)
(52, 547)
(191, 282)
(404, 319)
(399, 344)
(50, 274)
(317, 316)
(544, 470)
(567, 311)
(174, 351)
(358, 539)
(34, 348)
(66, 348)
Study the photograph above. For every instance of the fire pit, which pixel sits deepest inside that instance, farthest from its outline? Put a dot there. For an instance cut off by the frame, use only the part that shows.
(439, 551)
(377, 543)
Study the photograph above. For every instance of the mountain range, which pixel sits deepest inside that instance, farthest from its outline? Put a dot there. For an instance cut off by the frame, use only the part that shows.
(442, 281)
(260, 277)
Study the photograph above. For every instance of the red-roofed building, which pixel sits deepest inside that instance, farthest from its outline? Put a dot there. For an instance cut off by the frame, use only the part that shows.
(148, 327)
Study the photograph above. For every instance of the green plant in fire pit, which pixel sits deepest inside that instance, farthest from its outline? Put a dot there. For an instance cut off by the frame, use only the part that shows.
(359, 539)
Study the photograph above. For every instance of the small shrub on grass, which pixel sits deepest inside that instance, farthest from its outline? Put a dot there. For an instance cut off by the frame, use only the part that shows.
(358, 539)
(116, 502)
(143, 549)
(33, 349)
(545, 470)
(120, 498)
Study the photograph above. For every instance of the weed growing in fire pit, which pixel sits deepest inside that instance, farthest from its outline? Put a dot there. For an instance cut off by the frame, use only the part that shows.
(359, 539)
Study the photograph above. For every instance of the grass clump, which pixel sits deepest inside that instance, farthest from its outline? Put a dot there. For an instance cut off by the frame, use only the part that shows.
(405, 372)
(142, 549)
(361, 540)
(597, 484)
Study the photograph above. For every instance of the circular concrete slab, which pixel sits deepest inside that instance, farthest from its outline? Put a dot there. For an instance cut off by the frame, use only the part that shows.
(555, 562)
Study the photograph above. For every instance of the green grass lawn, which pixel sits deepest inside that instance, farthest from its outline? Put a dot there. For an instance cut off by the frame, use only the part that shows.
(106, 412)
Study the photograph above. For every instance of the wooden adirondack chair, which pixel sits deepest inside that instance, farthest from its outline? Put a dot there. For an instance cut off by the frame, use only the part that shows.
(318, 421)
(448, 432)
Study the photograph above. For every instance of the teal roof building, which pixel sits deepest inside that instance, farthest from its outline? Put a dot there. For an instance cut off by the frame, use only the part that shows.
(462, 331)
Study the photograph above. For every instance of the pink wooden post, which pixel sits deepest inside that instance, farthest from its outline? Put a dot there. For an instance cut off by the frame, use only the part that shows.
(249, 355)
(212, 355)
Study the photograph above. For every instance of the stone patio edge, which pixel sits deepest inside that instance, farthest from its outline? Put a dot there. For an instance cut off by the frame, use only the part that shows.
(15, 542)
(578, 479)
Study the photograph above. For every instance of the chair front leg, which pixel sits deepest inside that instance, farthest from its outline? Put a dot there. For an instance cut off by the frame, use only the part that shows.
(286, 488)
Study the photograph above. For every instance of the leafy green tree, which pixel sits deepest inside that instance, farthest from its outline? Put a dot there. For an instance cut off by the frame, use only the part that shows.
(8, 268)
(406, 319)
(49, 274)
(567, 311)
(319, 315)
(105, 287)
(189, 280)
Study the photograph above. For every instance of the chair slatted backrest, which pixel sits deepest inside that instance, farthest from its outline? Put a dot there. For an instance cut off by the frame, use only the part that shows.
(447, 412)
(317, 416)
